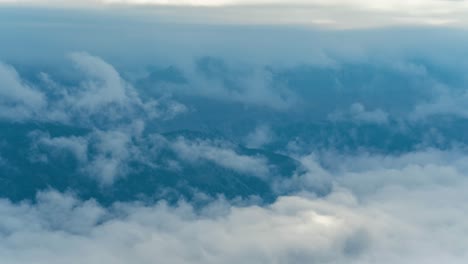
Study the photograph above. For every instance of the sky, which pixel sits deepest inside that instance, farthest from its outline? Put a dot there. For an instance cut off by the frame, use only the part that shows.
(336, 14)
(233, 131)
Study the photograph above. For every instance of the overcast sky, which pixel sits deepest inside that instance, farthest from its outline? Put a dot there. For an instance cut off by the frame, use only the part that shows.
(318, 13)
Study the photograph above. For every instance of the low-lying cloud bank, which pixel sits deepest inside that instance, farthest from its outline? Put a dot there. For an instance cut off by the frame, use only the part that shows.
(385, 209)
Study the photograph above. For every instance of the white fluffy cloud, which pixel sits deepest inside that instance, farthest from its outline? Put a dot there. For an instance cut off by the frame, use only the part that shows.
(397, 220)
(103, 87)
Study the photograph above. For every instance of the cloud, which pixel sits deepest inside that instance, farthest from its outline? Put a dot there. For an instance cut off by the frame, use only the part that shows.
(261, 136)
(320, 13)
(337, 208)
(312, 177)
(368, 4)
(222, 154)
(101, 154)
(395, 221)
(359, 114)
(18, 100)
(103, 87)
(247, 84)
(101, 97)
(445, 101)
(104, 95)
(102, 102)
(76, 145)
(368, 174)
(113, 151)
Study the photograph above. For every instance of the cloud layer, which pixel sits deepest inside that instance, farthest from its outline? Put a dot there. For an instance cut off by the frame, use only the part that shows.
(334, 14)
(233, 144)
(407, 211)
